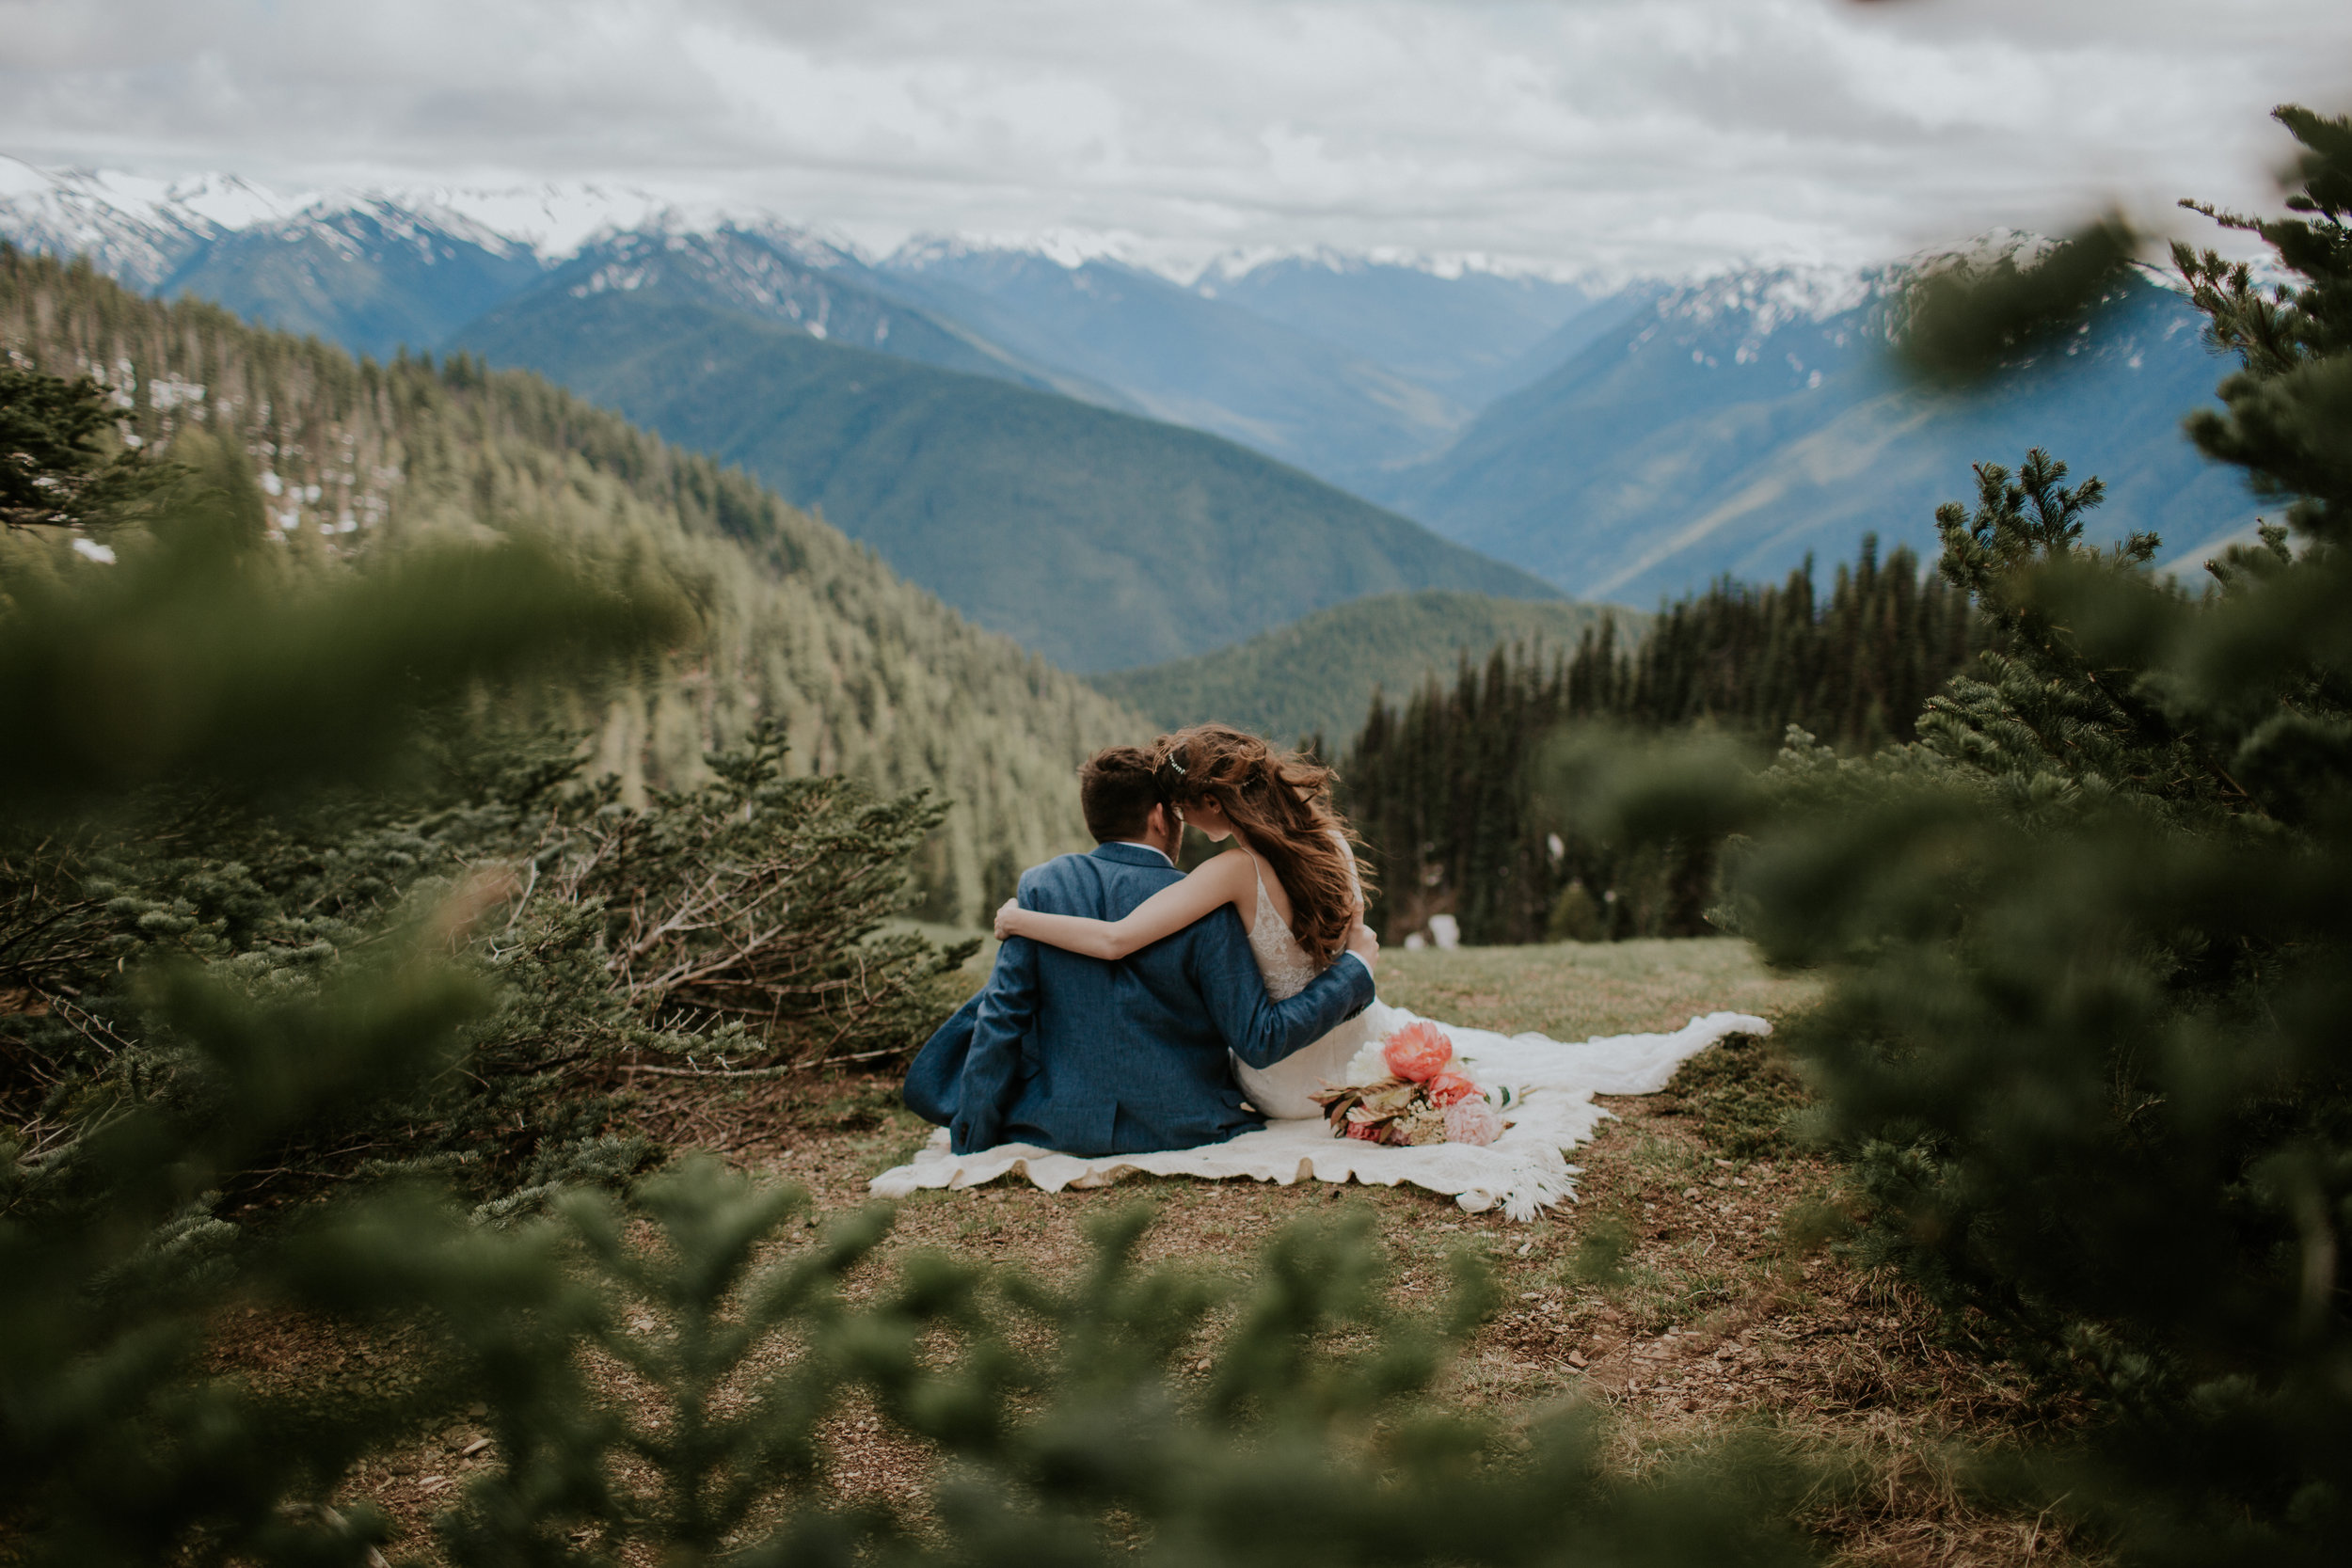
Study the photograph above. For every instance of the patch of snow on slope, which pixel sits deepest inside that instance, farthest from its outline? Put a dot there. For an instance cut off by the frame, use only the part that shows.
(1770, 300)
(1228, 266)
(1067, 248)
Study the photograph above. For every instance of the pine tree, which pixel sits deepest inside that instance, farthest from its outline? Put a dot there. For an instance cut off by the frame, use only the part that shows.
(2087, 1052)
(1450, 791)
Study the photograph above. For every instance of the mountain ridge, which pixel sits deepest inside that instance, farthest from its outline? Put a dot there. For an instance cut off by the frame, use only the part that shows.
(1098, 538)
(1188, 359)
(1740, 423)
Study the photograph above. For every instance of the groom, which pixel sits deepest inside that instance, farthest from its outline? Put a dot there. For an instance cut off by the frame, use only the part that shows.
(1094, 1057)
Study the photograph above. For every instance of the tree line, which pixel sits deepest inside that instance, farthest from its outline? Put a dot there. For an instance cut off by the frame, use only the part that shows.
(1444, 785)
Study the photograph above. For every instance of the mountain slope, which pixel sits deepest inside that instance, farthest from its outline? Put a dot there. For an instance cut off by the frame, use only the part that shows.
(868, 674)
(1737, 425)
(370, 277)
(1606, 314)
(374, 272)
(1448, 331)
(1317, 675)
(1101, 540)
(1187, 359)
(135, 230)
(800, 283)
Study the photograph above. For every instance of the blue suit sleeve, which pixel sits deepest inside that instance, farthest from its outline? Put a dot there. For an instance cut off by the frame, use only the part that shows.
(1005, 1013)
(1258, 1029)
(935, 1080)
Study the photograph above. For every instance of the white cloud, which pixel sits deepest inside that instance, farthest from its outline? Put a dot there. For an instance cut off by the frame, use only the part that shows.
(1650, 134)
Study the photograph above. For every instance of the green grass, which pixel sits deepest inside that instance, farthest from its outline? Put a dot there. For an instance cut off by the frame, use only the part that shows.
(1570, 990)
(1744, 1093)
(1574, 991)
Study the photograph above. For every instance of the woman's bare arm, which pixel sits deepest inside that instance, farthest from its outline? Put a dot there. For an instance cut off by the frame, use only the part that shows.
(1225, 879)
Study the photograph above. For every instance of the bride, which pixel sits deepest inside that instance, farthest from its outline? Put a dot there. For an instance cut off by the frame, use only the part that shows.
(1290, 875)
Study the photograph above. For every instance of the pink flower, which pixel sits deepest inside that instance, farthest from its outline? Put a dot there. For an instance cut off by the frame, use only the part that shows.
(1471, 1121)
(1449, 1086)
(1418, 1053)
(1369, 1132)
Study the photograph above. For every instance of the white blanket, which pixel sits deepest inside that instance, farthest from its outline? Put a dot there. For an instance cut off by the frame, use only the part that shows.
(1524, 1171)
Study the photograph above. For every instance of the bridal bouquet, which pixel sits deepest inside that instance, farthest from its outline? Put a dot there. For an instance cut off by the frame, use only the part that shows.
(1410, 1088)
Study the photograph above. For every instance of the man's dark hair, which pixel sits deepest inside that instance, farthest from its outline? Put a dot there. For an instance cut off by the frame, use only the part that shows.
(1116, 792)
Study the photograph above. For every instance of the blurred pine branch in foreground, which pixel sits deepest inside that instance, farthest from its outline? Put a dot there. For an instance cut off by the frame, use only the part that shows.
(2087, 1052)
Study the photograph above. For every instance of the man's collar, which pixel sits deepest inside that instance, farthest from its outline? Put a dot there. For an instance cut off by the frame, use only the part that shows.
(1134, 852)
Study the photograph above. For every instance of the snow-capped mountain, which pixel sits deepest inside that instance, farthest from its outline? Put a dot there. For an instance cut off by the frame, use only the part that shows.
(1183, 357)
(136, 229)
(1740, 423)
(1459, 327)
(780, 276)
(369, 272)
(1346, 367)
(1622, 441)
(792, 277)
(366, 271)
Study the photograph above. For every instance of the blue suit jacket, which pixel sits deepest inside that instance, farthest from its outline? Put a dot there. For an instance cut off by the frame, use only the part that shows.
(1094, 1057)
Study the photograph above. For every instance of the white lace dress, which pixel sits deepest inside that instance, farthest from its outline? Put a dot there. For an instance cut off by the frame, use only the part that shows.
(1284, 1091)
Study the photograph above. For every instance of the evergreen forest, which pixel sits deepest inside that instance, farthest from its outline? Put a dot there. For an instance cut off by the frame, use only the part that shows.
(1456, 791)
(1315, 676)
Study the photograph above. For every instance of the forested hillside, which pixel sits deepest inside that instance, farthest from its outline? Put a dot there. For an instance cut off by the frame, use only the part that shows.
(1101, 540)
(1318, 675)
(866, 674)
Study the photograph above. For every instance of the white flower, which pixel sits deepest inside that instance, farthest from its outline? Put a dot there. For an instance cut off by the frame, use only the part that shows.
(1367, 1067)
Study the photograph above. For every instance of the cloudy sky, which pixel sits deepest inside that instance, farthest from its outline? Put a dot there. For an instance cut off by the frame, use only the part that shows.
(1657, 135)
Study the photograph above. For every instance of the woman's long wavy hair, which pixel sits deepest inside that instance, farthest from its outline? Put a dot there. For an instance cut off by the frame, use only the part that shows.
(1280, 803)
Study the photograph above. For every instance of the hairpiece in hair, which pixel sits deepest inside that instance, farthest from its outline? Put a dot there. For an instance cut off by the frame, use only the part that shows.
(1161, 775)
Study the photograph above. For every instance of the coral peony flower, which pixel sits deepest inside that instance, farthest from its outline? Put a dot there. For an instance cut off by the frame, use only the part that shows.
(1418, 1052)
(1449, 1086)
(1471, 1121)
